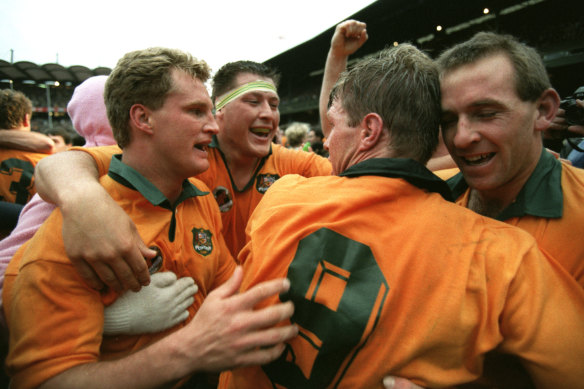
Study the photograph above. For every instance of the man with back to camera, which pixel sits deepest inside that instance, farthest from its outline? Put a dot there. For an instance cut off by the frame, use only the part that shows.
(243, 164)
(17, 166)
(388, 277)
(545, 225)
(161, 115)
(509, 178)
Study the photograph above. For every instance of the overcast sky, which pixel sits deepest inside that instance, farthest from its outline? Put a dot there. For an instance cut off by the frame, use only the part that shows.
(98, 33)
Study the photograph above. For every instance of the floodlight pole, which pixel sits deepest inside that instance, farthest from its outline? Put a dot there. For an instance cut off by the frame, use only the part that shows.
(49, 107)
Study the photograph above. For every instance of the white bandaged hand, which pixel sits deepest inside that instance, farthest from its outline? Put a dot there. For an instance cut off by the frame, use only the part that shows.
(156, 307)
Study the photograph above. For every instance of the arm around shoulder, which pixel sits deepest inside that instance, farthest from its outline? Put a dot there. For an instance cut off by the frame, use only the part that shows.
(27, 141)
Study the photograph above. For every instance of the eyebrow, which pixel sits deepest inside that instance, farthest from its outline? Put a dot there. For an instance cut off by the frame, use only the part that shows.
(199, 103)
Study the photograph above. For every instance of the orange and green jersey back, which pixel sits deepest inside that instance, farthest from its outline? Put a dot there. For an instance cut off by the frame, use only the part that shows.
(388, 278)
(17, 175)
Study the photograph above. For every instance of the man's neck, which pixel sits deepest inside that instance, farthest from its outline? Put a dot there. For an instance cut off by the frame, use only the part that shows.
(241, 167)
(490, 207)
(170, 187)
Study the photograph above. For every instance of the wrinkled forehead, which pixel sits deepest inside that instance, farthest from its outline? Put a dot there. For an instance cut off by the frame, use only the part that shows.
(335, 109)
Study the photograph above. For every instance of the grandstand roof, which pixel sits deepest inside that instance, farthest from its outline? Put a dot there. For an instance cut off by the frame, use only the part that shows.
(24, 70)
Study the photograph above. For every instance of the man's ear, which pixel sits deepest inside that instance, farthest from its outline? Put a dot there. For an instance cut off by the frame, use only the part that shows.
(141, 118)
(26, 120)
(371, 130)
(547, 107)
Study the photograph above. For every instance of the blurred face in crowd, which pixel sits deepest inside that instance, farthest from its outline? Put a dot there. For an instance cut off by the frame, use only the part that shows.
(249, 123)
(487, 129)
(184, 126)
(60, 144)
(342, 141)
(311, 137)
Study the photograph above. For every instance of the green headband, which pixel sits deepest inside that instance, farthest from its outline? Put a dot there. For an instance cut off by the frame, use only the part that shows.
(258, 85)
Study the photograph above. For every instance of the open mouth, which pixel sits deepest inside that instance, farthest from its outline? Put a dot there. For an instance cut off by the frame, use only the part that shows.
(201, 146)
(478, 159)
(263, 132)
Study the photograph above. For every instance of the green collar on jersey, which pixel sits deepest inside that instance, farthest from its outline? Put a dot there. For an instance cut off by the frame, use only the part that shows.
(215, 144)
(129, 177)
(412, 171)
(541, 196)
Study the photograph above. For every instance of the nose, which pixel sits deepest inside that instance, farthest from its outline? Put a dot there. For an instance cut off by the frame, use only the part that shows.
(266, 111)
(211, 125)
(326, 143)
(465, 134)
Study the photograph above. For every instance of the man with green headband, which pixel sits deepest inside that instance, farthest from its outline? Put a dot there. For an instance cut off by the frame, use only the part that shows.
(244, 162)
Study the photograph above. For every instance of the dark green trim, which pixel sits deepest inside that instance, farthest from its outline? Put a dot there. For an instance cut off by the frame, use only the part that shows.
(413, 172)
(215, 144)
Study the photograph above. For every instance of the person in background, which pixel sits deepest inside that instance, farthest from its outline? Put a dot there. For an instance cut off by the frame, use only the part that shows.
(296, 134)
(571, 131)
(315, 140)
(62, 138)
(161, 115)
(388, 276)
(17, 166)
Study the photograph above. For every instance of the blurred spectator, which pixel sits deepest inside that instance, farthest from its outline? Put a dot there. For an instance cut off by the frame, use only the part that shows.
(315, 140)
(16, 166)
(63, 139)
(296, 135)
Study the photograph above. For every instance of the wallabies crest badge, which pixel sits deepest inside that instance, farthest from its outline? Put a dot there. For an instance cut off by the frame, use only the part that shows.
(202, 242)
(264, 181)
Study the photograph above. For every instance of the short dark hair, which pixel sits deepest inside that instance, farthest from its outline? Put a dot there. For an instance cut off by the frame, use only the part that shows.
(62, 132)
(531, 78)
(401, 84)
(14, 106)
(224, 80)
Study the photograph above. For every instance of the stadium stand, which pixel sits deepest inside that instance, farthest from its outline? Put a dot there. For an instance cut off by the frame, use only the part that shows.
(34, 80)
(555, 28)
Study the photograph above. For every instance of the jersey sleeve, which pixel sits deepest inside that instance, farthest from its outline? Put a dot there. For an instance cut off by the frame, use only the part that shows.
(543, 321)
(102, 156)
(306, 164)
(68, 315)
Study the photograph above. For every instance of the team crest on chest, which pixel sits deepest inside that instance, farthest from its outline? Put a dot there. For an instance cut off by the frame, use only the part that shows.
(223, 198)
(264, 181)
(202, 242)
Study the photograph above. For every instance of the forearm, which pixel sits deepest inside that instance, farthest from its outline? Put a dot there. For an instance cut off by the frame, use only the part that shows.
(66, 175)
(27, 141)
(335, 65)
(160, 365)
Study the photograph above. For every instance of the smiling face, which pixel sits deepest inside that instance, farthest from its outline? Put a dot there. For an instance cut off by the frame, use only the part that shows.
(487, 129)
(184, 126)
(248, 123)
